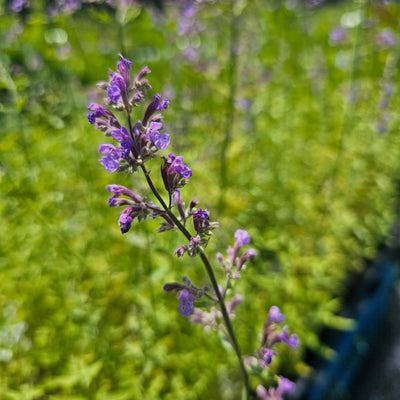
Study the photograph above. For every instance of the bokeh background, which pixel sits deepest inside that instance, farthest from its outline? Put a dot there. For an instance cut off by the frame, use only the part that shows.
(286, 113)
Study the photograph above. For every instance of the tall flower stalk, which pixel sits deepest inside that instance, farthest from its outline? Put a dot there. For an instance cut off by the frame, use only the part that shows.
(133, 146)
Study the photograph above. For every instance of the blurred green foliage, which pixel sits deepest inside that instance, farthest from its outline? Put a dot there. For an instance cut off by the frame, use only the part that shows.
(280, 128)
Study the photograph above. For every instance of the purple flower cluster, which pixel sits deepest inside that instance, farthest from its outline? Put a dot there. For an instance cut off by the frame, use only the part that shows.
(135, 144)
(187, 294)
(386, 39)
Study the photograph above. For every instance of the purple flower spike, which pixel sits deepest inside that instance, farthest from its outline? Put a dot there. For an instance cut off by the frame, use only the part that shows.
(114, 92)
(110, 160)
(275, 315)
(241, 237)
(186, 299)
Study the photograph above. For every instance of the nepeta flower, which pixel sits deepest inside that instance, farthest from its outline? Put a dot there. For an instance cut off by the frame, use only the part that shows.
(125, 140)
(18, 5)
(155, 105)
(122, 191)
(114, 92)
(174, 173)
(160, 140)
(110, 160)
(201, 220)
(91, 117)
(125, 220)
(177, 167)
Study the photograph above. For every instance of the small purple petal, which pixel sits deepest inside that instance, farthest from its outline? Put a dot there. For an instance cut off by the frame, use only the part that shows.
(110, 161)
(162, 141)
(114, 92)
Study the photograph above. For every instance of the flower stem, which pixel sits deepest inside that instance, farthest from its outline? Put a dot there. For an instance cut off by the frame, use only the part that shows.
(210, 272)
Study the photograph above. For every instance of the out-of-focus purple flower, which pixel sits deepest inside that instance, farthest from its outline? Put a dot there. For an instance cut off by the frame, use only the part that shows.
(18, 5)
(110, 160)
(382, 123)
(262, 393)
(241, 237)
(114, 93)
(284, 337)
(191, 54)
(313, 3)
(245, 257)
(285, 385)
(124, 139)
(386, 38)
(337, 35)
(267, 353)
(275, 315)
(186, 299)
(70, 5)
(230, 305)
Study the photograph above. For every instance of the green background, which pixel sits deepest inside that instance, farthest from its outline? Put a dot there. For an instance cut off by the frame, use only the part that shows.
(279, 126)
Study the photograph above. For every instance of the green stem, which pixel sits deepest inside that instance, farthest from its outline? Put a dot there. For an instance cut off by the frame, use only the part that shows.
(213, 280)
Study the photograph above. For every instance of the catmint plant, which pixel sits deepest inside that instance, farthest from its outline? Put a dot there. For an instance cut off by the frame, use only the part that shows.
(128, 149)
